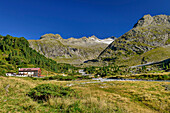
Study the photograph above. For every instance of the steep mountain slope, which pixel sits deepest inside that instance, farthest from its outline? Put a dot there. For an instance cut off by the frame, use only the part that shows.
(15, 53)
(154, 55)
(147, 34)
(70, 50)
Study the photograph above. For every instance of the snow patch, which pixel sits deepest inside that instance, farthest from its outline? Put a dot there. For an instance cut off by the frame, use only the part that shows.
(106, 41)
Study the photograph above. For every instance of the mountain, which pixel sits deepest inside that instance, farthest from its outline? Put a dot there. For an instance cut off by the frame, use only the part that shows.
(71, 50)
(149, 33)
(15, 53)
(154, 55)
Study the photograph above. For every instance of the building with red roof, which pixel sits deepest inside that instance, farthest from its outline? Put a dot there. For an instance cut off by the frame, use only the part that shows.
(31, 72)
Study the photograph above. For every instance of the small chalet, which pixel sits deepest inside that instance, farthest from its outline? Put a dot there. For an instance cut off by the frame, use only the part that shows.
(31, 72)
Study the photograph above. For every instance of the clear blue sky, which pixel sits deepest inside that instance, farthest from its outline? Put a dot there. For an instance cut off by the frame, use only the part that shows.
(75, 18)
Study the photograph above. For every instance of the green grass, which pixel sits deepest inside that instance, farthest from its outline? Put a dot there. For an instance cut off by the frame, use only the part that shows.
(154, 55)
(118, 96)
(168, 41)
(146, 76)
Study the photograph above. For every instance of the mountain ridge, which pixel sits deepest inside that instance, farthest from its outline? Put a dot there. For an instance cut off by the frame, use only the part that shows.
(148, 33)
(84, 38)
(70, 50)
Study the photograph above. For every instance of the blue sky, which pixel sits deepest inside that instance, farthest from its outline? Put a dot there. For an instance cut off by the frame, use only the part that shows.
(75, 18)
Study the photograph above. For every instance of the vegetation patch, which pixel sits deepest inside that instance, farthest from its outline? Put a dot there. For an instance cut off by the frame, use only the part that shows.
(16, 53)
(45, 91)
(153, 77)
(104, 97)
(144, 77)
(167, 87)
(66, 78)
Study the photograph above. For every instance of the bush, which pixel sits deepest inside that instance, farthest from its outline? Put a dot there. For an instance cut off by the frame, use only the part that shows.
(2, 72)
(45, 91)
(46, 78)
(60, 77)
(166, 77)
(65, 78)
(2, 62)
(33, 78)
(74, 108)
(83, 77)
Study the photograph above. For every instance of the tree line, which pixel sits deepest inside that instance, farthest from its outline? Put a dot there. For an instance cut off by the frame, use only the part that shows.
(15, 52)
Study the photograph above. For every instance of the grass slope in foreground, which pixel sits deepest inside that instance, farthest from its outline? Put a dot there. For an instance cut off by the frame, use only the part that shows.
(117, 96)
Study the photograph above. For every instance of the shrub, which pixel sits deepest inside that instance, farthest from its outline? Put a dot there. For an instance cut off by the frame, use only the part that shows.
(46, 78)
(75, 108)
(33, 78)
(83, 77)
(2, 72)
(2, 62)
(166, 77)
(60, 77)
(44, 91)
(95, 76)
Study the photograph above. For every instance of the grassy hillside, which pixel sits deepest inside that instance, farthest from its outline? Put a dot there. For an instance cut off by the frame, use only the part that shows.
(149, 38)
(154, 55)
(112, 97)
(158, 54)
(15, 53)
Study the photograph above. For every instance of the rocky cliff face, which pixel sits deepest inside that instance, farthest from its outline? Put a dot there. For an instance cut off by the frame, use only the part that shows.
(70, 50)
(147, 34)
(147, 20)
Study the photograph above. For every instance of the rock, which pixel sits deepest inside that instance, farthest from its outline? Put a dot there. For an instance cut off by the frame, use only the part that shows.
(148, 33)
(6, 89)
(167, 87)
(51, 36)
(144, 21)
(72, 50)
(147, 20)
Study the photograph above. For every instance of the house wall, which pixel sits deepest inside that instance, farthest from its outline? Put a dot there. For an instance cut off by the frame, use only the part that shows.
(28, 73)
(31, 73)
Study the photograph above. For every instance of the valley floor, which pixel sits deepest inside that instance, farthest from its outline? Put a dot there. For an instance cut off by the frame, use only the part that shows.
(113, 96)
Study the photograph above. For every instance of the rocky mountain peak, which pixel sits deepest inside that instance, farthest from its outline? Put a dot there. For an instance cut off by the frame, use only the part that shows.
(144, 21)
(148, 33)
(83, 38)
(51, 36)
(71, 38)
(93, 38)
(147, 20)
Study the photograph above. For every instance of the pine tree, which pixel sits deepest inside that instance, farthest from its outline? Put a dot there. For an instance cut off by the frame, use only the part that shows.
(10, 56)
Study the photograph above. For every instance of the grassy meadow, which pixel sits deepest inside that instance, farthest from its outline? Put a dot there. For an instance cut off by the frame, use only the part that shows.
(100, 97)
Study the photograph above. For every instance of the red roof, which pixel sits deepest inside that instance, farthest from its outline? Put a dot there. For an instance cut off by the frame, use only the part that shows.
(29, 69)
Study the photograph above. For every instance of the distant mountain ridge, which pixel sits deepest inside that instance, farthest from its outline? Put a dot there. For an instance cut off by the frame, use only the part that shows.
(149, 33)
(70, 50)
(84, 39)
